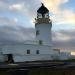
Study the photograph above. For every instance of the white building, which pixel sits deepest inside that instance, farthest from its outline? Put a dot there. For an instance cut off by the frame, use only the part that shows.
(65, 55)
(61, 55)
(39, 49)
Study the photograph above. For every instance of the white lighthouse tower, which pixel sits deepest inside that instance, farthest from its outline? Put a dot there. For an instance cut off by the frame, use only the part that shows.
(33, 50)
(43, 26)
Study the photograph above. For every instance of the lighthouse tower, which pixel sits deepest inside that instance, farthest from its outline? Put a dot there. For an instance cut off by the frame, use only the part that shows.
(43, 26)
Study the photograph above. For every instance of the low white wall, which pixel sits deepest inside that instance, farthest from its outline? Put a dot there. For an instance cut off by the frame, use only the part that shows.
(2, 58)
(22, 49)
(64, 56)
(22, 58)
(19, 52)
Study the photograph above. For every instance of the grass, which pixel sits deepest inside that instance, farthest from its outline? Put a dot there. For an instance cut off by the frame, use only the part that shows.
(52, 72)
(45, 71)
(4, 73)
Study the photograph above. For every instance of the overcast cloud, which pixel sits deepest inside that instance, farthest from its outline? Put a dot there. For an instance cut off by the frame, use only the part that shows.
(63, 39)
(11, 30)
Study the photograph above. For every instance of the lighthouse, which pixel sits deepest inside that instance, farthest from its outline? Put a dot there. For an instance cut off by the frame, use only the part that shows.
(33, 50)
(43, 26)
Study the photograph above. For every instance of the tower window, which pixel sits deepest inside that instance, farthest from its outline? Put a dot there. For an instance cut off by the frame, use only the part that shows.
(39, 16)
(37, 52)
(40, 42)
(47, 15)
(28, 51)
(37, 32)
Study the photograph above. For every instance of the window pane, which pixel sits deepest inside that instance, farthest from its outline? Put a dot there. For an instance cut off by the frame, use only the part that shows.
(40, 42)
(37, 52)
(37, 32)
(28, 51)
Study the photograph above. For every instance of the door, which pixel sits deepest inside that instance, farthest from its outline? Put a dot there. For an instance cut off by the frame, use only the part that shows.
(10, 58)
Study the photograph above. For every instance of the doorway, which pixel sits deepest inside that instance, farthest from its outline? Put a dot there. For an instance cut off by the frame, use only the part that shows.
(10, 58)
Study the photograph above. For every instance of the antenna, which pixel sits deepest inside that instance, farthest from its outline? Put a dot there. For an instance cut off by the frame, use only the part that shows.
(42, 4)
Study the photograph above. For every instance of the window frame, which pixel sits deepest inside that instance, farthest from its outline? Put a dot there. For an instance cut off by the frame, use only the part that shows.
(40, 42)
(28, 51)
(37, 52)
(37, 32)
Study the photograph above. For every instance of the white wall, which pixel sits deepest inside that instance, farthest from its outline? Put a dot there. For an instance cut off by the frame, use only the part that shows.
(2, 57)
(22, 49)
(20, 52)
(64, 55)
(44, 33)
(22, 58)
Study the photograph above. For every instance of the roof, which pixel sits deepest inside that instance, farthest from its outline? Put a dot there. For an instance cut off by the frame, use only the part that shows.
(42, 9)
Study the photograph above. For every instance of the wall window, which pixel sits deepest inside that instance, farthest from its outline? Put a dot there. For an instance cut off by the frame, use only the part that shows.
(10, 58)
(40, 42)
(28, 51)
(46, 15)
(37, 52)
(37, 32)
(39, 16)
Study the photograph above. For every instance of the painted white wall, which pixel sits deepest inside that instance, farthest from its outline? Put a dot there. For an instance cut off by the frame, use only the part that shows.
(20, 52)
(44, 33)
(22, 48)
(22, 58)
(2, 57)
(64, 55)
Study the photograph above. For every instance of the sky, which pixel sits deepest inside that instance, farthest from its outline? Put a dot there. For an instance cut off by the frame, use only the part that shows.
(17, 21)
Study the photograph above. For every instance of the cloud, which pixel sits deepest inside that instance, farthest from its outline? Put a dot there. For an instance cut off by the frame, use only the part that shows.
(13, 34)
(11, 30)
(65, 39)
(54, 5)
(4, 5)
(60, 15)
(65, 17)
(7, 21)
(28, 8)
(61, 39)
(25, 7)
(17, 7)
